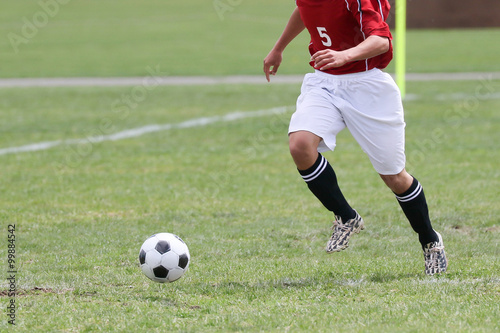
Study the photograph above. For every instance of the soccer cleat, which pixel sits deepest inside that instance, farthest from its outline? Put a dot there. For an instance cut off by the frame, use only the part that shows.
(342, 232)
(435, 258)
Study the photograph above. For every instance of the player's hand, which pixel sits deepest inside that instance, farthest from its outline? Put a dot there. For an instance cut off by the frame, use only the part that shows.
(272, 63)
(326, 59)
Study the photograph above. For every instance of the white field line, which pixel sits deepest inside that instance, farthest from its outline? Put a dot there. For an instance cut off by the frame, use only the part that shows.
(211, 80)
(145, 81)
(139, 131)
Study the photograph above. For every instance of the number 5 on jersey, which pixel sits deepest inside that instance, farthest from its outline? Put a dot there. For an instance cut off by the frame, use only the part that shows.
(325, 39)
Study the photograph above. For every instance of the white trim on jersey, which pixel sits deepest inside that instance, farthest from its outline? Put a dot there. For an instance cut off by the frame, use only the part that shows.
(361, 28)
(380, 9)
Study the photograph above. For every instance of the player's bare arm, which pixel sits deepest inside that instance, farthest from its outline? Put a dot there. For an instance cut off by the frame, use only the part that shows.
(370, 47)
(293, 28)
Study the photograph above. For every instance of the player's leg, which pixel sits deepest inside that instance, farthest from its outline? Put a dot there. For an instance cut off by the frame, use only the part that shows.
(375, 118)
(313, 128)
(378, 108)
(411, 198)
(322, 181)
(318, 173)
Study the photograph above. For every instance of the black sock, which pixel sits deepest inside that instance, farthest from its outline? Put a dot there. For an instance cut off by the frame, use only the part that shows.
(415, 208)
(322, 182)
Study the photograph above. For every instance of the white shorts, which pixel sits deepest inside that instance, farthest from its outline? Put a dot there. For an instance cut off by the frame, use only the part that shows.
(367, 103)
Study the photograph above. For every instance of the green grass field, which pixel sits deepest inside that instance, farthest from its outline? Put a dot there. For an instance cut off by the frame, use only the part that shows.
(229, 188)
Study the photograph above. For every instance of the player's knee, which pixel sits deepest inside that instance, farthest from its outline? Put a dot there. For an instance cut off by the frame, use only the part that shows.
(303, 150)
(299, 148)
(398, 183)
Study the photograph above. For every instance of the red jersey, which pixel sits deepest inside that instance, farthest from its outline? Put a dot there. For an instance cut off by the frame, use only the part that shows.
(342, 24)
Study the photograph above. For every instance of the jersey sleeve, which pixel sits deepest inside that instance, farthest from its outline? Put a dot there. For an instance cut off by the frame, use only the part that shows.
(371, 16)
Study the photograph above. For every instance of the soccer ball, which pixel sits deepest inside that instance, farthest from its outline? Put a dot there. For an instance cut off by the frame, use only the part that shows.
(164, 257)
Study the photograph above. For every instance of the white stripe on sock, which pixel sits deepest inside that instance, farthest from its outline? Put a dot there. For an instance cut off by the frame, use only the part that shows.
(412, 195)
(315, 174)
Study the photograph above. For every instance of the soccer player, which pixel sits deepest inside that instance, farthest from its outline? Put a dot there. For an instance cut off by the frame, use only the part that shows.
(350, 45)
